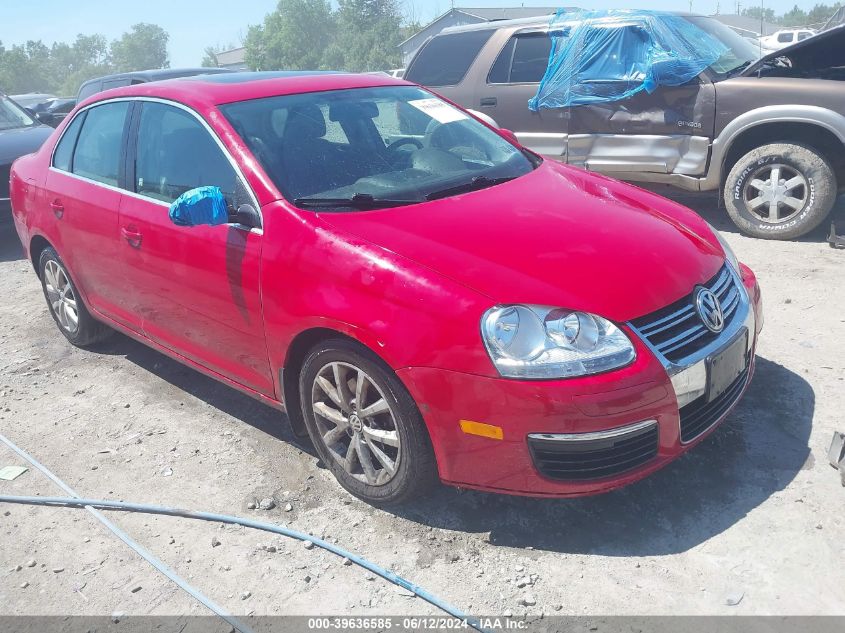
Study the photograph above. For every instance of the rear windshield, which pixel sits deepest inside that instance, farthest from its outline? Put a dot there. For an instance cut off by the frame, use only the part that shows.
(445, 59)
(13, 116)
(344, 149)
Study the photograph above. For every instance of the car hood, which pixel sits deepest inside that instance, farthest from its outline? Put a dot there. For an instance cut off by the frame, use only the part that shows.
(819, 52)
(20, 141)
(557, 236)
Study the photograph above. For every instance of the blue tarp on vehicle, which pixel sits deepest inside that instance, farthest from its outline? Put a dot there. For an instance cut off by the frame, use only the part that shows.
(600, 56)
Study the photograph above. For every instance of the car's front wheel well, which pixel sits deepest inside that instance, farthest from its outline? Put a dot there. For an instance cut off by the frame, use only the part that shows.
(814, 136)
(36, 247)
(303, 343)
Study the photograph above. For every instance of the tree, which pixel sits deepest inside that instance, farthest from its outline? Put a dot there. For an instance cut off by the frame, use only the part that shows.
(757, 12)
(293, 37)
(209, 57)
(144, 46)
(369, 32)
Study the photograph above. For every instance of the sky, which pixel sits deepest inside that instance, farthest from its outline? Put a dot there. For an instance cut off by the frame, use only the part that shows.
(195, 24)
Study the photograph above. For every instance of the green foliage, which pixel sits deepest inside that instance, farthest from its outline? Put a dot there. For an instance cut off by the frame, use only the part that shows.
(143, 47)
(360, 35)
(796, 16)
(60, 69)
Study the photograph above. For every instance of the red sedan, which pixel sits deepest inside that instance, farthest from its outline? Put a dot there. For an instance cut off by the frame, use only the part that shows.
(424, 297)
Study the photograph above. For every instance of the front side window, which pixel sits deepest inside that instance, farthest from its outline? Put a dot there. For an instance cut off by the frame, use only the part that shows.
(13, 116)
(97, 154)
(177, 153)
(347, 149)
(445, 59)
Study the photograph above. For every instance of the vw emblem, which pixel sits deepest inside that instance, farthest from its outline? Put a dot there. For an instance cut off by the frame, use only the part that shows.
(709, 310)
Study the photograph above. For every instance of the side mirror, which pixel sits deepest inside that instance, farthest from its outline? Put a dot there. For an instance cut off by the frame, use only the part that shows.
(510, 136)
(200, 206)
(246, 215)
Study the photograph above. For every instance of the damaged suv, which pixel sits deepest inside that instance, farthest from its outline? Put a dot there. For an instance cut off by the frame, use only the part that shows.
(768, 133)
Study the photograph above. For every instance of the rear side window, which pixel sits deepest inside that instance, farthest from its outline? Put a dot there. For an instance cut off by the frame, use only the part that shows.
(445, 59)
(785, 37)
(176, 153)
(523, 60)
(97, 154)
(63, 156)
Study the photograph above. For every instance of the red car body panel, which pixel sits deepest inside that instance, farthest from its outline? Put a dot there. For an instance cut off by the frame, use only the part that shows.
(409, 283)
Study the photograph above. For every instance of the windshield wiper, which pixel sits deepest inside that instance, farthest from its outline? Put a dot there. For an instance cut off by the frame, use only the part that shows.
(733, 72)
(357, 201)
(479, 182)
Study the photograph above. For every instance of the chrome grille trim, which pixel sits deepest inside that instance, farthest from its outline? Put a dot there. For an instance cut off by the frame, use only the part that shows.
(678, 336)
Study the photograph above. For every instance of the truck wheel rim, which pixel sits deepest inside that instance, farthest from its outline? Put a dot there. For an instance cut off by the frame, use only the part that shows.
(356, 423)
(61, 297)
(776, 193)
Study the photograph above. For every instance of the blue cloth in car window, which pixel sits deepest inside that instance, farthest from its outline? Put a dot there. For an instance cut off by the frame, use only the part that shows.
(603, 56)
(203, 205)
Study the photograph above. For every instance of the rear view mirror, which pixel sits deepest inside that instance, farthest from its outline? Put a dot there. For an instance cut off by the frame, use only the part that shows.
(200, 206)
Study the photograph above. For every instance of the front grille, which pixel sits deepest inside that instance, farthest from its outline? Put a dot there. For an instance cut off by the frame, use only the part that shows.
(585, 459)
(676, 331)
(699, 415)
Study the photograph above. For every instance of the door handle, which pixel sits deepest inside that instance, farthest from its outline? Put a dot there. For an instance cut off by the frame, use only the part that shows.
(132, 236)
(58, 208)
(489, 101)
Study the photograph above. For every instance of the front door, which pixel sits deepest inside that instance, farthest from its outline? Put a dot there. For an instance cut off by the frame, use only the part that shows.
(666, 131)
(512, 80)
(196, 289)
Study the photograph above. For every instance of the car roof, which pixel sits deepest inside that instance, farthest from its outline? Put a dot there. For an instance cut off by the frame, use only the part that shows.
(535, 21)
(158, 74)
(203, 91)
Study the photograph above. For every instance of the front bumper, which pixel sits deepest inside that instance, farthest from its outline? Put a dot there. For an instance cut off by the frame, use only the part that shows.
(637, 405)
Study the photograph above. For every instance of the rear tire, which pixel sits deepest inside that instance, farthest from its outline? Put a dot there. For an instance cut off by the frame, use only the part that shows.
(384, 457)
(800, 198)
(65, 303)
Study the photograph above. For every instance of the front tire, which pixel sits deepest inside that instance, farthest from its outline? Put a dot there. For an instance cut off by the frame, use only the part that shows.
(65, 303)
(364, 424)
(780, 191)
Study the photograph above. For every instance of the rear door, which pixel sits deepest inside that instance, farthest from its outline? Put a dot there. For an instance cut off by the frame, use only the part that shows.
(83, 195)
(195, 289)
(505, 88)
(667, 131)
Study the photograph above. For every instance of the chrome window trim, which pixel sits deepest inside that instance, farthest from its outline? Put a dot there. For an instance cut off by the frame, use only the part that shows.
(203, 122)
(594, 435)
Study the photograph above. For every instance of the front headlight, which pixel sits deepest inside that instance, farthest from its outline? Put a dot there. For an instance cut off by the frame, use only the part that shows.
(729, 253)
(530, 341)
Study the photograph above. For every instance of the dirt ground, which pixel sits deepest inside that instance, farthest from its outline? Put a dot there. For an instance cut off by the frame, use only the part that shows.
(751, 522)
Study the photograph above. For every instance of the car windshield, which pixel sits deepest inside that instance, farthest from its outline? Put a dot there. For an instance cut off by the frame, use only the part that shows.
(13, 116)
(372, 147)
(740, 52)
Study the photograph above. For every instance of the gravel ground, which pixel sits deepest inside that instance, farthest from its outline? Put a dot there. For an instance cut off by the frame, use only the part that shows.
(750, 522)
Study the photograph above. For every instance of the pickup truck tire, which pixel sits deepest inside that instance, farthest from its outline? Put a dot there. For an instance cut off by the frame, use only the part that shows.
(369, 433)
(65, 303)
(799, 199)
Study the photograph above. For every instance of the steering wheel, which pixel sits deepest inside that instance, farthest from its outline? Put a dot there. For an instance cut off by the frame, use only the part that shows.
(404, 141)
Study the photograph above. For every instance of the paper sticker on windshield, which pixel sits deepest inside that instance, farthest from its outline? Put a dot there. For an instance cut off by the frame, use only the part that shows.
(438, 110)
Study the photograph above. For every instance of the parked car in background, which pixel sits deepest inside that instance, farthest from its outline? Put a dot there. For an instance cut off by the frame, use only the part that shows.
(769, 134)
(99, 84)
(55, 110)
(32, 100)
(785, 37)
(20, 134)
(448, 305)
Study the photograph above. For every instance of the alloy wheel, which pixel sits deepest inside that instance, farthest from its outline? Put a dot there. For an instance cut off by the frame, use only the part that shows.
(61, 297)
(776, 193)
(356, 423)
